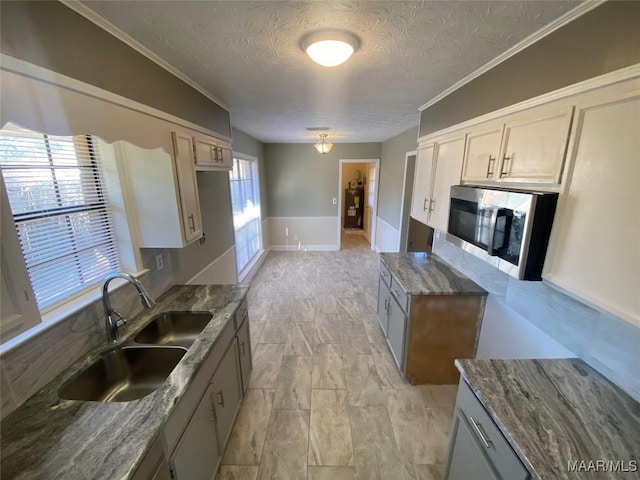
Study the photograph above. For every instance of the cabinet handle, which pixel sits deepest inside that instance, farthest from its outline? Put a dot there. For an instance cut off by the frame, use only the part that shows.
(220, 155)
(192, 223)
(478, 428)
(214, 153)
(386, 304)
(432, 205)
(504, 171)
(242, 348)
(213, 414)
(489, 171)
(425, 205)
(221, 402)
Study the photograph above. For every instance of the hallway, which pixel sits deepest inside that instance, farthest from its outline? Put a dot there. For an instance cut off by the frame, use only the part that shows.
(326, 401)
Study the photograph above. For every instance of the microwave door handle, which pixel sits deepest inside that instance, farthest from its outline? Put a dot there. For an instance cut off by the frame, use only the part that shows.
(493, 223)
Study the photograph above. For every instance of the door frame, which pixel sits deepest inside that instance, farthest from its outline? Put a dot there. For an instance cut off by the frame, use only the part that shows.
(407, 189)
(376, 189)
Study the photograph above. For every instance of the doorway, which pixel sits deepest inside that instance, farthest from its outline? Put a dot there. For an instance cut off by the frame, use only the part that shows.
(407, 195)
(358, 199)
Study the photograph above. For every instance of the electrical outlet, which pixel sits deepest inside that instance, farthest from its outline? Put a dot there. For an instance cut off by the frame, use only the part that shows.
(295, 237)
(335, 201)
(159, 262)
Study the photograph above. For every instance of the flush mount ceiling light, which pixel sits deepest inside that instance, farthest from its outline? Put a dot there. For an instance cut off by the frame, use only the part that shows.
(330, 48)
(324, 145)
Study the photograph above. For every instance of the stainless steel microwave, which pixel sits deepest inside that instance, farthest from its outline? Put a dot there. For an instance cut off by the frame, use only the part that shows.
(507, 228)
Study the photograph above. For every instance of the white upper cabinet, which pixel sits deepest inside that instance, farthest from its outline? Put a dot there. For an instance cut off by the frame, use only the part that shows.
(447, 173)
(212, 154)
(162, 191)
(533, 149)
(526, 147)
(481, 154)
(595, 245)
(422, 181)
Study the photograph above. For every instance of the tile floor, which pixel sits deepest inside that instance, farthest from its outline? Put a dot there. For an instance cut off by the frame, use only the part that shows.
(326, 401)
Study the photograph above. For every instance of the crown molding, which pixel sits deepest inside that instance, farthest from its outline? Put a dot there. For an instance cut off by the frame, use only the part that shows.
(559, 22)
(110, 28)
(627, 73)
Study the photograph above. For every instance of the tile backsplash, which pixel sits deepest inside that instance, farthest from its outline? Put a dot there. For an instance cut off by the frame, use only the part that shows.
(29, 366)
(607, 343)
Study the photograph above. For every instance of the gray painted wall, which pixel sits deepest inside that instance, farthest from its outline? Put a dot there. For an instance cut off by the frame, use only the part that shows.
(217, 222)
(393, 154)
(243, 143)
(55, 37)
(601, 41)
(300, 182)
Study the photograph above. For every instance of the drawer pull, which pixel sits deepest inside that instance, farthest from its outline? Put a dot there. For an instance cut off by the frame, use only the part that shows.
(221, 402)
(504, 171)
(478, 428)
(242, 348)
(489, 171)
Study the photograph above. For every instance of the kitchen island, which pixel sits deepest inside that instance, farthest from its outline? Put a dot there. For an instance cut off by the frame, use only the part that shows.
(51, 438)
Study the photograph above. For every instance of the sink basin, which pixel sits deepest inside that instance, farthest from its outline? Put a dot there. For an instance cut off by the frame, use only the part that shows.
(174, 328)
(123, 374)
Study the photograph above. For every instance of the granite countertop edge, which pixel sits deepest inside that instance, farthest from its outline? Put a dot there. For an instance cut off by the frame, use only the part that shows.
(47, 437)
(434, 275)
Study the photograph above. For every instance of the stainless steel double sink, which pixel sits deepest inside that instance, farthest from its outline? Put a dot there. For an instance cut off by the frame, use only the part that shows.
(131, 371)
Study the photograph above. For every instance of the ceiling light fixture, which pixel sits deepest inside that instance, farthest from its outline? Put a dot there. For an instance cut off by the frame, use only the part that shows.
(330, 48)
(324, 145)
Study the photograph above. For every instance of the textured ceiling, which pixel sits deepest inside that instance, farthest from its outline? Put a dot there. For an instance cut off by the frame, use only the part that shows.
(247, 54)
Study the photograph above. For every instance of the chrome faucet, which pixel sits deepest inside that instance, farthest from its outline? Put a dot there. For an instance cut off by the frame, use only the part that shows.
(114, 319)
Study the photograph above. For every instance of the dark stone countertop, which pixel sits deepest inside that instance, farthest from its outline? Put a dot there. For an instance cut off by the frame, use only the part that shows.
(427, 274)
(50, 438)
(554, 411)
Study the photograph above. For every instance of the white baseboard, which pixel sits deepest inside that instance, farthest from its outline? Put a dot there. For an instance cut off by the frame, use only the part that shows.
(222, 271)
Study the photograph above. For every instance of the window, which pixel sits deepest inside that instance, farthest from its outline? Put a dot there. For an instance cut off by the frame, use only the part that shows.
(57, 199)
(245, 199)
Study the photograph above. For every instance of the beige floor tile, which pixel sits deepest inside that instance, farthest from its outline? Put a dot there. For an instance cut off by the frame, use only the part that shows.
(330, 431)
(331, 473)
(430, 472)
(412, 426)
(237, 472)
(304, 309)
(326, 303)
(266, 365)
(387, 368)
(300, 339)
(248, 434)
(438, 395)
(328, 367)
(276, 328)
(374, 331)
(439, 426)
(353, 338)
(285, 451)
(364, 385)
(255, 331)
(293, 390)
(327, 329)
(376, 453)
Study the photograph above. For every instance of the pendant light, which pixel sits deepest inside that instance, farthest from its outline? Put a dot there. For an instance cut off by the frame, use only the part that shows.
(324, 145)
(330, 48)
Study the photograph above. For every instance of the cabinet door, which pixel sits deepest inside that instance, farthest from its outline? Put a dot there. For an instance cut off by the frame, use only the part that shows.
(206, 153)
(533, 150)
(188, 186)
(422, 184)
(466, 458)
(447, 173)
(481, 155)
(244, 348)
(197, 455)
(594, 251)
(396, 334)
(226, 394)
(384, 297)
(225, 157)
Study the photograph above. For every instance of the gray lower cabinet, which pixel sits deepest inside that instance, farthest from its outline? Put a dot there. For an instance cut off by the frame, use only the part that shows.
(244, 349)
(197, 455)
(477, 448)
(226, 394)
(396, 332)
(384, 297)
(163, 471)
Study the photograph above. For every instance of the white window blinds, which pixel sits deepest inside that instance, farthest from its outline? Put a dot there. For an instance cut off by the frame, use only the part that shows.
(245, 199)
(58, 203)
